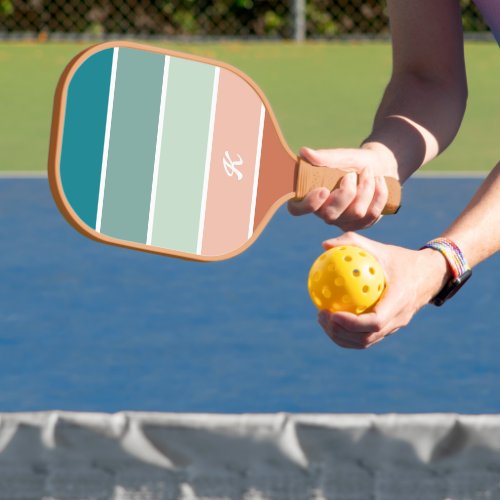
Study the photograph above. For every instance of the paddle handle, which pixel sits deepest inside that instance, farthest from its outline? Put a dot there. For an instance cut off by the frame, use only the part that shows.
(309, 177)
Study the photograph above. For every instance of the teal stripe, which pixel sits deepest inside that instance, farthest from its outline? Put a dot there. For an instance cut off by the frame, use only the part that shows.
(83, 134)
(132, 145)
(183, 154)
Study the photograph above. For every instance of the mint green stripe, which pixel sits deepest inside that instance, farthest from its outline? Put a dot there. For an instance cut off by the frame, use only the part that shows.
(83, 136)
(132, 145)
(183, 154)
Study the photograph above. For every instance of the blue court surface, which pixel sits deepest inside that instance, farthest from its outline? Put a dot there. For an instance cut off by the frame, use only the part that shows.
(90, 327)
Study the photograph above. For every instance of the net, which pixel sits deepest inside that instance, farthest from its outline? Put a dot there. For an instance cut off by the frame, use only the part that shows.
(159, 456)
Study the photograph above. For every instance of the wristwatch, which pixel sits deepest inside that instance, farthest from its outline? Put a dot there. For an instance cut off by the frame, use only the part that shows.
(459, 267)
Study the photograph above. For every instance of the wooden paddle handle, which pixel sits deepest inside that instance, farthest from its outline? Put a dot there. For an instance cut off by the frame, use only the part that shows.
(309, 177)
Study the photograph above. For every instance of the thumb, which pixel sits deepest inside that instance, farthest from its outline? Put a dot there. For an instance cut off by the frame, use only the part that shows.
(348, 238)
(336, 158)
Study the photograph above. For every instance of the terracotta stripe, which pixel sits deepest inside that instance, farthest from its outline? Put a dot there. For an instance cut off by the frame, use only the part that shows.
(276, 177)
(232, 167)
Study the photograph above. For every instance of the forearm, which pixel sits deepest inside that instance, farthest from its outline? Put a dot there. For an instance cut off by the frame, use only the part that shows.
(477, 230)
(424, 103)
(416, 120)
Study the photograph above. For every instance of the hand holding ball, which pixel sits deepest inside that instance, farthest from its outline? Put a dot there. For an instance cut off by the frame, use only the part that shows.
(346, 278)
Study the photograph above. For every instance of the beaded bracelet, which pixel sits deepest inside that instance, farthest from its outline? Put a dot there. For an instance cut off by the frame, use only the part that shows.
(459, 267)
(452, 254)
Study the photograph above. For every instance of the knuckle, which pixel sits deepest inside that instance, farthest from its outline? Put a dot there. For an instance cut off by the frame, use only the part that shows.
(373, 213)
(329, 215)
(366, 181)
(382, 186)
(358, 211)
(349, 191)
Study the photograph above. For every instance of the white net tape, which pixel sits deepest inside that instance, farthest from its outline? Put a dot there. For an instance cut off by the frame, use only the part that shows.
(155, 456)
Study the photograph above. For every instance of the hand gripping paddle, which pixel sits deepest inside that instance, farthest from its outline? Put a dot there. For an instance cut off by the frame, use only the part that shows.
(172, 153)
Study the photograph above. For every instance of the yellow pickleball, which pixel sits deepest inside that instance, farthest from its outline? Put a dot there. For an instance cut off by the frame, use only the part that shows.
(346, 278)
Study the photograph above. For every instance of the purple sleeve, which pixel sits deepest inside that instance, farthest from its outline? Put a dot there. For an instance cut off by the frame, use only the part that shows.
(490, 9)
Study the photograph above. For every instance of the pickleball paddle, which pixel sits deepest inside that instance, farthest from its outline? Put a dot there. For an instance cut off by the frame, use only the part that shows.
(172, 153)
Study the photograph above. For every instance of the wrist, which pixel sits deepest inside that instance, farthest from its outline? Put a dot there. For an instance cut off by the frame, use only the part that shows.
(457, 265)
(437, 272)
(388, 165)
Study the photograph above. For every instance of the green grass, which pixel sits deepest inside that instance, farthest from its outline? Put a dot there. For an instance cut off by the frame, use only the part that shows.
(324, 95)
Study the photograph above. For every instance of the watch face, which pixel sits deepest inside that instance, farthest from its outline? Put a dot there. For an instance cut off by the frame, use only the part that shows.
(451, 288)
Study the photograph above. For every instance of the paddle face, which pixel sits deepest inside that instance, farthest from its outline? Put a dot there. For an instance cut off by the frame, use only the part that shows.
(164, 152)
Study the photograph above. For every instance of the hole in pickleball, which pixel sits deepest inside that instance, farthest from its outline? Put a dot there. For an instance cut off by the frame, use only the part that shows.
(356, 273)
(327, 293)
(339, 281)
(317, 276)
(317, 301)
(348, 258)
(366, 289)
(346, 299)
(336, 306)
(379, 287)
(372, 270)
(360, 309)
(363, 254)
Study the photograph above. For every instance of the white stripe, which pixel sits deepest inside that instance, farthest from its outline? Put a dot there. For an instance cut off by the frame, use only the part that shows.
(105, 152)
(257, 169)
(159, 136)
(208, 157)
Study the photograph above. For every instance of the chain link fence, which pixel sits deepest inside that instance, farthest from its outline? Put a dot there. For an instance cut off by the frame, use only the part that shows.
(284, 19)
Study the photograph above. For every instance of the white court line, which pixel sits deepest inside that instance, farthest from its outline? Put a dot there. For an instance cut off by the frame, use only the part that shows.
(257, 170)
(208, 158)
(456, 174)
(28, 174)
(109, 116)
(159, 138)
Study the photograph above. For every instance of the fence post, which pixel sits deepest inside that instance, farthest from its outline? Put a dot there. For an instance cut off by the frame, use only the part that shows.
(299, 20)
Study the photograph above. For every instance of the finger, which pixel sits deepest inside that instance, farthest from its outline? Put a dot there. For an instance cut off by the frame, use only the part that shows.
(345, 344)
(341, 340)
(379, 200)
(384, 319)
(356, 215)
(362, 324)
(339, 199)
(352, 340)
(362, 340)
(366, 209)
(311, 203)
(358, 209)
(338, 334)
